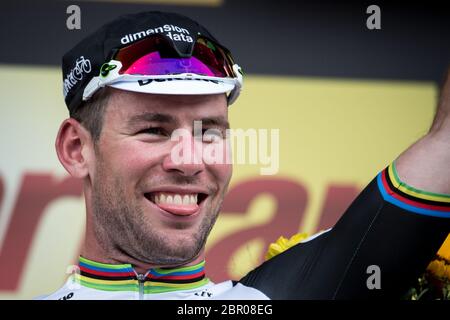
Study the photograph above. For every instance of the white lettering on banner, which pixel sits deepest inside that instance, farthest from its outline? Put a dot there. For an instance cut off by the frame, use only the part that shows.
(173, 32)
(82, 65)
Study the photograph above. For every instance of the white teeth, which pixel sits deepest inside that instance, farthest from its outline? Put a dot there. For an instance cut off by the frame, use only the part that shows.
(177, 199)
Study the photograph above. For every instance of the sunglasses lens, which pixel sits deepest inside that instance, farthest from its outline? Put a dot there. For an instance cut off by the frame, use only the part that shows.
(156, 56)
(153, 64)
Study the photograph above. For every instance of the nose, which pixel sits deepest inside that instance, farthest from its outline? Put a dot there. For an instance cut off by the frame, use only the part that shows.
(186, 156)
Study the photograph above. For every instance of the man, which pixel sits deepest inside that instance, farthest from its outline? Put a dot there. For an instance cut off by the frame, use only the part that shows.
(142, 78)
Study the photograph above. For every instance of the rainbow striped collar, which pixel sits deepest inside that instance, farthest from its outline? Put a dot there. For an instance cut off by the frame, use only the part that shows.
(122, 277)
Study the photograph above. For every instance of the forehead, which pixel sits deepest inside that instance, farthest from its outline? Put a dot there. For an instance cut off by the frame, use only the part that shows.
(124, 105)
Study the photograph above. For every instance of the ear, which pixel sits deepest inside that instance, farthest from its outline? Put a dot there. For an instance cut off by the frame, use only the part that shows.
(74, 148)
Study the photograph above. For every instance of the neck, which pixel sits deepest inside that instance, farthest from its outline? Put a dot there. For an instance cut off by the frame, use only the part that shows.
(92, 250)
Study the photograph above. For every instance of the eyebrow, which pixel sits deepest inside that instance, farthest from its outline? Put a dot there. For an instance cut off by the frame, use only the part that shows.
(215, 121)
(151, 117)
(167, 118)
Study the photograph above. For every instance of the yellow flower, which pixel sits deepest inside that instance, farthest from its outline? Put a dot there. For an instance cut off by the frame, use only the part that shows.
(283, 244)
(440, 269)
(444, 251)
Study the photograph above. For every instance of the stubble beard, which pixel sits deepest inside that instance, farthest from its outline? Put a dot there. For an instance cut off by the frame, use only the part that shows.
(122, 228)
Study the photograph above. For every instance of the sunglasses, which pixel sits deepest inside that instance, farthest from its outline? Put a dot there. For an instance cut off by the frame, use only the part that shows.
(156, 58)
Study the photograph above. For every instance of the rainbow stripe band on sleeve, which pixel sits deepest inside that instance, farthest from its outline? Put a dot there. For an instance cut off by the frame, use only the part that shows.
(409, 198)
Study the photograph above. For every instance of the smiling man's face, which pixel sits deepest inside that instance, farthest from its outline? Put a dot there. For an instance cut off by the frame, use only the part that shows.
(142, 203)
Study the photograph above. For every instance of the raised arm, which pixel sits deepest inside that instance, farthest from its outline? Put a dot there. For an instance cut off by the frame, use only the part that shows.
(426, 164)
(396, 224)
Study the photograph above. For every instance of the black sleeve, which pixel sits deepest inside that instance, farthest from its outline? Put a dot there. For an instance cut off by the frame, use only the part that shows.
(390, 225)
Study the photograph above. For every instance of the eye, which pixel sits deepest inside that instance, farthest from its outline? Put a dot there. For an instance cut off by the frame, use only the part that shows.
(212, 135)
(153, 131)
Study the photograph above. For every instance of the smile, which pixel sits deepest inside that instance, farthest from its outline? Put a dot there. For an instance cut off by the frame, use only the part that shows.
(180, 204)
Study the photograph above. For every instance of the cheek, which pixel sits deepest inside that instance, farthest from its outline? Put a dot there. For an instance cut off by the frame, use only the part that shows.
(223, 173)
(130, 159)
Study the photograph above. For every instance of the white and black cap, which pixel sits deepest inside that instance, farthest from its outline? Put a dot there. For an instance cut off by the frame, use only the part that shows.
(82, 65)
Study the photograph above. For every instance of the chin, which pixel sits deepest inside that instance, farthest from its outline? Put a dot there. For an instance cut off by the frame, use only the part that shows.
(185, 246)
